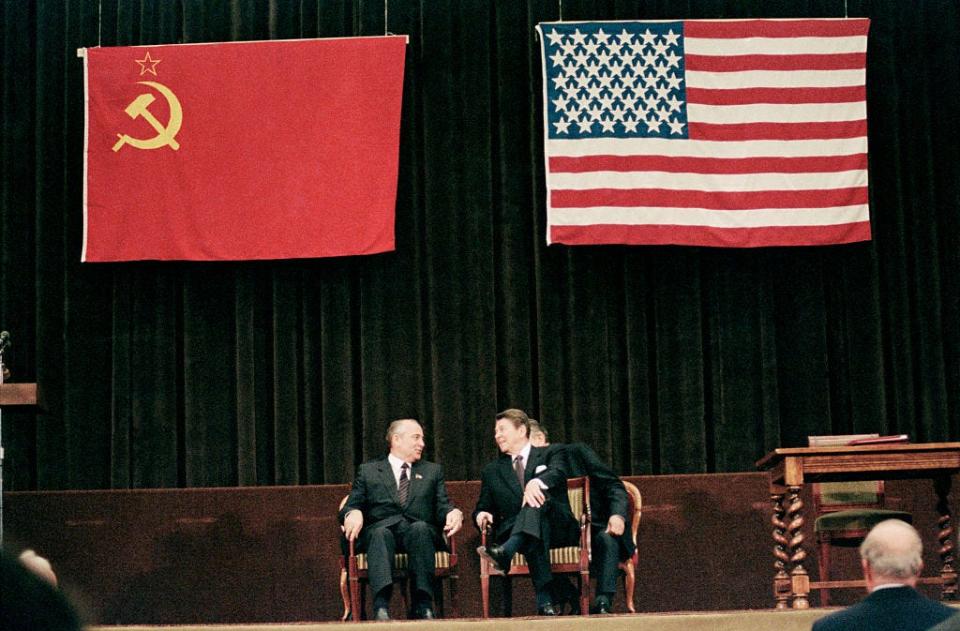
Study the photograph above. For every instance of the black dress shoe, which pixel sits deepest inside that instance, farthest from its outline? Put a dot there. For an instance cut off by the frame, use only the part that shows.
(496, 555)
(600, 606)
(381, 613)
(424, 613)
(547, 610)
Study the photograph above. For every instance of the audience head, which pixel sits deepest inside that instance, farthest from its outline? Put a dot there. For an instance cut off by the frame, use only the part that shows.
(38, 565)
(405, 437)
(30, 603)
(512, 430)
(539, 437)
(891, 553)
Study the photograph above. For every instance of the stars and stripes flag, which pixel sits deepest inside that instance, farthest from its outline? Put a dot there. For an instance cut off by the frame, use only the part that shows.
(730, 133)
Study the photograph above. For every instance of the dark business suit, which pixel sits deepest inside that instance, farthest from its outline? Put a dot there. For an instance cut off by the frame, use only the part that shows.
(388, 527)
(551, 525)
(607, 497)
(892, 609)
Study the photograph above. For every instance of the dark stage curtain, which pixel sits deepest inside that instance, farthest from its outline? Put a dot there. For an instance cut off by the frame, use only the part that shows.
(664, 359)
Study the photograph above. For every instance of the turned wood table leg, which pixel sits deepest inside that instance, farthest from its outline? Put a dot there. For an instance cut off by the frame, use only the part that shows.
(781, 580)
(945, 534)
(799, 580)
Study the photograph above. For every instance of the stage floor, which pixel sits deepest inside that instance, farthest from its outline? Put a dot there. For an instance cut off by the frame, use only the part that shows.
(754, 620)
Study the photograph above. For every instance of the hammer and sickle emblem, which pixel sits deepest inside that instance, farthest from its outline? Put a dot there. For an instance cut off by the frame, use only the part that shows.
(166, 135)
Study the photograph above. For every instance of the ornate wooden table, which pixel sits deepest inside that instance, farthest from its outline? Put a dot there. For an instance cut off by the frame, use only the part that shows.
(790, 468)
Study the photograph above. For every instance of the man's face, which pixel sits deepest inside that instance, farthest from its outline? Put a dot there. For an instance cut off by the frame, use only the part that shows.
(509, 439)
(537, 439)
(407, 444)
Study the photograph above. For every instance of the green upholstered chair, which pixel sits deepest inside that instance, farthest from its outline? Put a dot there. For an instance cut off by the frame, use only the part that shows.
(845, 513)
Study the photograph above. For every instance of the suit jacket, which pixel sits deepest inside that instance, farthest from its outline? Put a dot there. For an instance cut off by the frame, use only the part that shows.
(608, 496)
(950, 624)
(374, 492)
(892, 609)
(502, 496)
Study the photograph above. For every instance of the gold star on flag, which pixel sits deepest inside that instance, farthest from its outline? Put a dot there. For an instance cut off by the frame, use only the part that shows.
(148, 64)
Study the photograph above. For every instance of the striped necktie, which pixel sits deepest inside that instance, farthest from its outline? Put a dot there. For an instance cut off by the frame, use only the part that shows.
(518, 469)
(404, 487)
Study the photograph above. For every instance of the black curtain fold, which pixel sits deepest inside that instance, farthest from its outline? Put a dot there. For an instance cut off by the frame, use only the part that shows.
(664, 359)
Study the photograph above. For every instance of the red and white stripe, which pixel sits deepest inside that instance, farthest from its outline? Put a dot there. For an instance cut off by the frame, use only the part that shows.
(776, 155)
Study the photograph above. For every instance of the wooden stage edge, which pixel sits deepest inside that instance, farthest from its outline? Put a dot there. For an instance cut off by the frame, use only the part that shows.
(752, 620)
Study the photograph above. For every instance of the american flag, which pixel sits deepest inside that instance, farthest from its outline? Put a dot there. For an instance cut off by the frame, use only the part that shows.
(730, 133)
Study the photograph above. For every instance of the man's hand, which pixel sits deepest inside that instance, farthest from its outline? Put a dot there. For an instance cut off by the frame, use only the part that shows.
(454, 522)
(615, 525)
(533, 494)
(484, 519)
(352, 524)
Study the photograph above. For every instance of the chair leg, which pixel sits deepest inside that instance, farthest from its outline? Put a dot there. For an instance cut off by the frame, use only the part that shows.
(344, 595)
(484, 589)
(629, 583)
(356, 604)
(584, 593)
(823, 560)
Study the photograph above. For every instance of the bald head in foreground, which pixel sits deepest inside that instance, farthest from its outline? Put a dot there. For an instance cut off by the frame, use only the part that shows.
(892, 558)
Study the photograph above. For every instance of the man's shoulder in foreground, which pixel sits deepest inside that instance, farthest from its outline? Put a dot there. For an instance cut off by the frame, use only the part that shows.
(950, 624)
(896, 608)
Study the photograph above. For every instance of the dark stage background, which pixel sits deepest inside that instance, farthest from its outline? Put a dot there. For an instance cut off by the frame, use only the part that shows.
(256, 554)
(665, 359)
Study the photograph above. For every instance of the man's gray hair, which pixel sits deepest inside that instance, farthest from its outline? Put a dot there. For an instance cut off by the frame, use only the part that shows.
(893, 549)
(395, 426)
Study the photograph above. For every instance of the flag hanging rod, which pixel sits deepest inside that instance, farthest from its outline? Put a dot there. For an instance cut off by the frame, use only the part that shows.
(82, 52)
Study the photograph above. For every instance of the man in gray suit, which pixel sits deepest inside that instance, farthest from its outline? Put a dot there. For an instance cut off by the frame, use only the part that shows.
(891, 557)
(399, 503)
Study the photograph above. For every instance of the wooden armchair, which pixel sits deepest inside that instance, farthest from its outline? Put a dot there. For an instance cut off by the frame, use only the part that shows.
(566, 560)
(634, 505)
(354, 577)
(844, 514)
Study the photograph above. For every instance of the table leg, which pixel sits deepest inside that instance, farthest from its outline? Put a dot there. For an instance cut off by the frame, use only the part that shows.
(781, 580)
(945, 534)
(799, 580)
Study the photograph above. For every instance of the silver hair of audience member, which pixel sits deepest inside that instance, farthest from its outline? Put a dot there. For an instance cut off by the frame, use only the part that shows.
(893, 549)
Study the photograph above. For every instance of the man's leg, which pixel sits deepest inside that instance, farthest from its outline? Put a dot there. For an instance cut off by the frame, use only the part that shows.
(606, 557)
(538, 560)
(380, 546)
(419, 542)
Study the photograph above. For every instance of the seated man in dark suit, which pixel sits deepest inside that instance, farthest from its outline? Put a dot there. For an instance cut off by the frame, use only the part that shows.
(610, 519)
(523, 496)
(399, 504)
(892, 558)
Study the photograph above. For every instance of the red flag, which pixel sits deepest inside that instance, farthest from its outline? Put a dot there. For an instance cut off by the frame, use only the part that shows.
(731, 133)
(245, 150)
